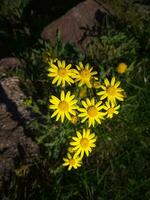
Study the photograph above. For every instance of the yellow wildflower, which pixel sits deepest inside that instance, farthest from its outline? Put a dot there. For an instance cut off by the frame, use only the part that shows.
(64, 106)
(84, 143)
(91, 111)
(122, 67)
(112, 91)
(72, 162)
(85, 74)
(61, 73)
(111, 109)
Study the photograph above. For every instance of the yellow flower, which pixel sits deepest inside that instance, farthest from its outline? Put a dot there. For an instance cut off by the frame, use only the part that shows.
(111, 109)
(63, 107)
(96, 85)
(122, 67)
(84, 143)
(83, 92)
(85, 74)
(72, 162)
(91, 111)
(61, 73)
(74, 119)
(111, 91)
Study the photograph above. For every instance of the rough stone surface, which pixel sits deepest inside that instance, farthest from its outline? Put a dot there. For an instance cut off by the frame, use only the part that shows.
(16, 147)
(12, 93)
(75, 25)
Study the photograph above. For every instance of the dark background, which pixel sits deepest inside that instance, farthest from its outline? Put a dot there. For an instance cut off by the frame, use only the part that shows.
(19, 31)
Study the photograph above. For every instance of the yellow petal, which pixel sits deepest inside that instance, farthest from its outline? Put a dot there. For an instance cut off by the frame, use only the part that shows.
(112, 81)
(106, 81)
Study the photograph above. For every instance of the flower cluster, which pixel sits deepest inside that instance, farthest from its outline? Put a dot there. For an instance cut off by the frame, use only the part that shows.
(89, 100)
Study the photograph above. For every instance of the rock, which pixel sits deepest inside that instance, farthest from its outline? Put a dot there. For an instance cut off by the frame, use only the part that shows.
(14, 97)
(76, 24)
(16, 147)
(10, 63)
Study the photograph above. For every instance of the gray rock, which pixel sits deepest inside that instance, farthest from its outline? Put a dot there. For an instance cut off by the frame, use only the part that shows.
(16, 147)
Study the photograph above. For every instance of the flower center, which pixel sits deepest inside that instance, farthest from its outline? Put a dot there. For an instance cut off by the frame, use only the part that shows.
(84, 142)
(85, 74)
(63, 106)
(72, 162)
(92, 111)
(112, 91)
(62, 72)
(110, 111)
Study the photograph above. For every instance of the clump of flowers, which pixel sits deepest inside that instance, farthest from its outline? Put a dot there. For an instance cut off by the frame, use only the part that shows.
(87, 103)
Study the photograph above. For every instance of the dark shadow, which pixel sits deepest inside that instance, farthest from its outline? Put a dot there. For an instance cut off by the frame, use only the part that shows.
(100, 18)
(11, 107)
(16, 36)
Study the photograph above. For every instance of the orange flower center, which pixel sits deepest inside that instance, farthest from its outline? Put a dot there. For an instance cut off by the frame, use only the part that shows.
(72, 162)
(63, 106)
(110, 111)
(112, 91)
(62, 72)
(85, 74)
(92, 111)
(84, 142)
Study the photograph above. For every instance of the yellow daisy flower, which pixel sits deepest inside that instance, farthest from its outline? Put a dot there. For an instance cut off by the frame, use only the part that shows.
(122, 67)
(72, 162)
(84, 143)
(61, 73)
(85, 74)
(91, 111)
(64, 106)
(111, 109)
(111, 91)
